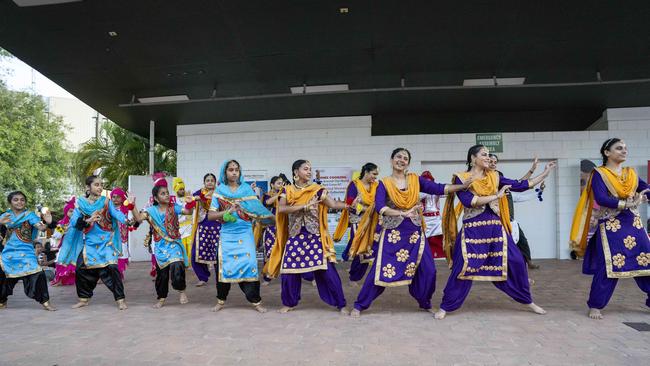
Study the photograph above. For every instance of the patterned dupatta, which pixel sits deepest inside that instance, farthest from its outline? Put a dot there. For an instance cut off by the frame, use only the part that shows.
(622, 186)
(73, 241)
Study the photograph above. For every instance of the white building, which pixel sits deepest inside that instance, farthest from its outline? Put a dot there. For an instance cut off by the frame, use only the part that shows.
(347, 142)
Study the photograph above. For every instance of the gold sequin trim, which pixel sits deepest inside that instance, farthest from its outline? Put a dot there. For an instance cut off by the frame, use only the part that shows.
(484, 240)
(484, 255)
(482, 223)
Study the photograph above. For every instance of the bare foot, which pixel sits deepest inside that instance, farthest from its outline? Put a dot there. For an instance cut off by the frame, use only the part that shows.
(354, 284)
(159, 304)
(531, 281)
(260, 308)
(3, 305)
(285, 309)
(220, 305)
(536, 309)
(531, 265)
(430, 310)
(595, 314)
(81, 303)
(56, 284)
(440, 314)
(183, 298)
(266, 283)
(121, 304)
(344, 311)
(313, 283)
(49, 307)
(201, 284)
(356, 314)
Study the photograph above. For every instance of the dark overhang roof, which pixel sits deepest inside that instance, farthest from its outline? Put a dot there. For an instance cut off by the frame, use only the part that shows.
(404, 61)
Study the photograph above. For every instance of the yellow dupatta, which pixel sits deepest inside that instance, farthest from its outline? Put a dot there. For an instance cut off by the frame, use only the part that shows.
(486, 186)
(622, 186)
(298, 196)
(404, 200)
(364, 236)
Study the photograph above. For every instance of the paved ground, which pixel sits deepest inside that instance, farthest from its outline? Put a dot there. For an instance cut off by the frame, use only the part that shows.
(490, 329)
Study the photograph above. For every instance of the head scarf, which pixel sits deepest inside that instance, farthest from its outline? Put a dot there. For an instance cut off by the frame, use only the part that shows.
(178, 184)
(68, 206)
(244, 195)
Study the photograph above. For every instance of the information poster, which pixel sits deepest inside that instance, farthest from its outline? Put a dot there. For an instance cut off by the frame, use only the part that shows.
(335, 180)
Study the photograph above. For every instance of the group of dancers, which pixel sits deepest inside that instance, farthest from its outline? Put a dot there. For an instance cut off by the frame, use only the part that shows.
(221, 225)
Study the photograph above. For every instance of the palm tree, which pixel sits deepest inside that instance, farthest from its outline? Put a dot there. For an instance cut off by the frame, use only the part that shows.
(119, 153)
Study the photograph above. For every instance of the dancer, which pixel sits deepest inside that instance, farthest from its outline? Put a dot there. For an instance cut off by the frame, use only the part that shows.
(118, 196)
(620, 248)
(522, 242)
(484, 249)
(63, 274)
(303, 243)
(184, 221)
(270, 200)
(205, 233)
(402, 257)
(18, 260)
(93, 243)
(432, 219)
(235, 203)
(360, 196)
(171, 256)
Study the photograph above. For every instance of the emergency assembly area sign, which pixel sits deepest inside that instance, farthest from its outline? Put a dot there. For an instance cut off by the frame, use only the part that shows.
(493, 141)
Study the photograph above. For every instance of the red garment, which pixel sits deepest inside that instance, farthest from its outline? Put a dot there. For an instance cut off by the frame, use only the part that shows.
(435, 244)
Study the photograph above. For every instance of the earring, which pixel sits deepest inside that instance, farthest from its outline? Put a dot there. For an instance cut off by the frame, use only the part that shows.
(295, 177)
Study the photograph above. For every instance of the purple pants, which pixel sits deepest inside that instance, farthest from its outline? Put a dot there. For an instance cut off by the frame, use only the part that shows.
(421, 288)
(201, 270)
(516, 286)
(357, 269)
(602, 288)
(328, 283)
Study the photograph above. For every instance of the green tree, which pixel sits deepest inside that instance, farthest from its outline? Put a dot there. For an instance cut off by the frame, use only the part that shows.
(120, 153)
(33, 155)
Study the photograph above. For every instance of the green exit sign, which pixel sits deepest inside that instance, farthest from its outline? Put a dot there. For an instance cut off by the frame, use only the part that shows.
(493, 141)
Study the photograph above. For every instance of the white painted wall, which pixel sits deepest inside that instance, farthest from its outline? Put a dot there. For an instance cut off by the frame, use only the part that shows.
(274, 145)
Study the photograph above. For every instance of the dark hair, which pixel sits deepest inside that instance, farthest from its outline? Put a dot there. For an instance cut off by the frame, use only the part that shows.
(275, 179)
(209, 175)
(15, 193)
(89, 180)
(367, 168)
(471, 152)
(606, 146)
(295, 166)
(494, 156)
(392, 155)
(154, 192)
(284, 178)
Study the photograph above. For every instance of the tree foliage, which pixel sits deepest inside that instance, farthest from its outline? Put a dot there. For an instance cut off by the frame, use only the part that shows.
(119, 153)
(33, 155)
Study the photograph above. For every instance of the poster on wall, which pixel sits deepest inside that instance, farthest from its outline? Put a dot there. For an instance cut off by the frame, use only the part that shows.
(335, 180)
(258, 178)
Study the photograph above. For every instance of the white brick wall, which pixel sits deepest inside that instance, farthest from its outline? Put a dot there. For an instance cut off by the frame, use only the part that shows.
(346, 141)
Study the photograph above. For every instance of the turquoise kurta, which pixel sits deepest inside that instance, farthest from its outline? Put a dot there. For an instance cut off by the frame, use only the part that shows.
(168, 247)
(236, 250)
(101, 242)
(18, 257)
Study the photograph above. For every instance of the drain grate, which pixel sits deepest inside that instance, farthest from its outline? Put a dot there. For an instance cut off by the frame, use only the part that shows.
(641, 327)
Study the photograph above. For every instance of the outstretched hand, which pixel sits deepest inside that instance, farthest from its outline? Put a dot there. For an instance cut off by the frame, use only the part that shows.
(505, 189)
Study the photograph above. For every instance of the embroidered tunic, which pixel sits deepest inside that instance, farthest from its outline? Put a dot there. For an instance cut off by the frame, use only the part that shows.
(166, 236)
(18, 257)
